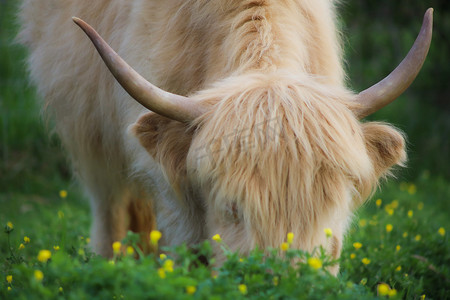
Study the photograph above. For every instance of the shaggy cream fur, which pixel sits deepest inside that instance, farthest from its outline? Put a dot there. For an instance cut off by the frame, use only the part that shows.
(279, 149)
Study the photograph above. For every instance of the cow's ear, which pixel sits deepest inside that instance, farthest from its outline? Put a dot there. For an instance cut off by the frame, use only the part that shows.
(385, 146)
(167, 141)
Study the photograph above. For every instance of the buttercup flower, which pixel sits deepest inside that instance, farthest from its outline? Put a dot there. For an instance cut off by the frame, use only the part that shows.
(9, 288)
(410, 213)
(217, 238)
(412, 189)
(190, 289)
(243, 289)
(44, 255)
(9, 278)
(63, 193)
(392, 293)
(418, 237)
(9, 226)
(56, 248)
(352, 256)
(378, 202)
(168, 265)
(315, 263)
(26, 239)
(398, 269)
(357, 245)
(397, 248)
(130, 250)
(155, 236)
(60, 289)
(38, 275)
(365, 261)
(383, 289)
(21, 246)
(441, 231)
(328, 232)
(162, 256)
(389, 227)
(420, 206)
(275, 280)
(362, 222)
(116, 247)
(290, 238)
(405, 234)
(284, 246)
(161, 273)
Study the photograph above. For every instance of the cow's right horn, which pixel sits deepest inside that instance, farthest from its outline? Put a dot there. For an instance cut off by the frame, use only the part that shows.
(387, 90)
(172, 106)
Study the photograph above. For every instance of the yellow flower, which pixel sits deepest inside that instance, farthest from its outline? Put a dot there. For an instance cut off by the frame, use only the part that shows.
(412, 189)
(168, 265)
(38, 275)
(60, 289)
(394, 204)
(397, 248)
(365, 261)
(9, 225)
(284, 246)
(155, 236)
(418, 237)
(21, 246)
(422, 297)
(357, 245)
(60, 214)
(390, 211)
(362, 222)
(88, 240)
(383, 289)
(315, 263)
(44, 255)
(56, 247)
(420, 206)
(9, 288)
(290, 237)
(352, 256)
(190, 289)
(63, 193)
(378, 202)
(81, 252)
(26, 239)
(116, 247)
(162, 256)
(398, 269)
(130, 250)
(275, 280)
(405, 234)
(410, 213)
(9, 278)
(389, 227)
(161, 273)
(328, 232)
(392, 293)
(217, 238)
(243, 289)
(441, 231)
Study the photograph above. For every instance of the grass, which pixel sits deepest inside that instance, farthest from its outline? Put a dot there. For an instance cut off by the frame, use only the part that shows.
(403, 238)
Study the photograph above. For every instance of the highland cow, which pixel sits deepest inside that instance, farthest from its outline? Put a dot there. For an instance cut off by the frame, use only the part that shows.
(246, 130)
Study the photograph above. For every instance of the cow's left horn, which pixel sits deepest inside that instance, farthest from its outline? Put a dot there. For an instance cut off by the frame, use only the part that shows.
(387, 90)
(172, 106)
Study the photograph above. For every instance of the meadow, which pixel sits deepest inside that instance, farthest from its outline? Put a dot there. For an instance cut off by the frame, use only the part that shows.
(397, 246)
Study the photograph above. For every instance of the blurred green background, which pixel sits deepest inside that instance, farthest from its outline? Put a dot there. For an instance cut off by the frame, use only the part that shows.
(377, 35)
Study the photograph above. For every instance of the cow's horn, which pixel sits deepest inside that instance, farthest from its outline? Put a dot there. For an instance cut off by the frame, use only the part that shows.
(387, 90)
(172, 106)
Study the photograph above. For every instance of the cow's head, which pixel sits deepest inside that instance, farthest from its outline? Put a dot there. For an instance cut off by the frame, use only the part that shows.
(275, 152)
